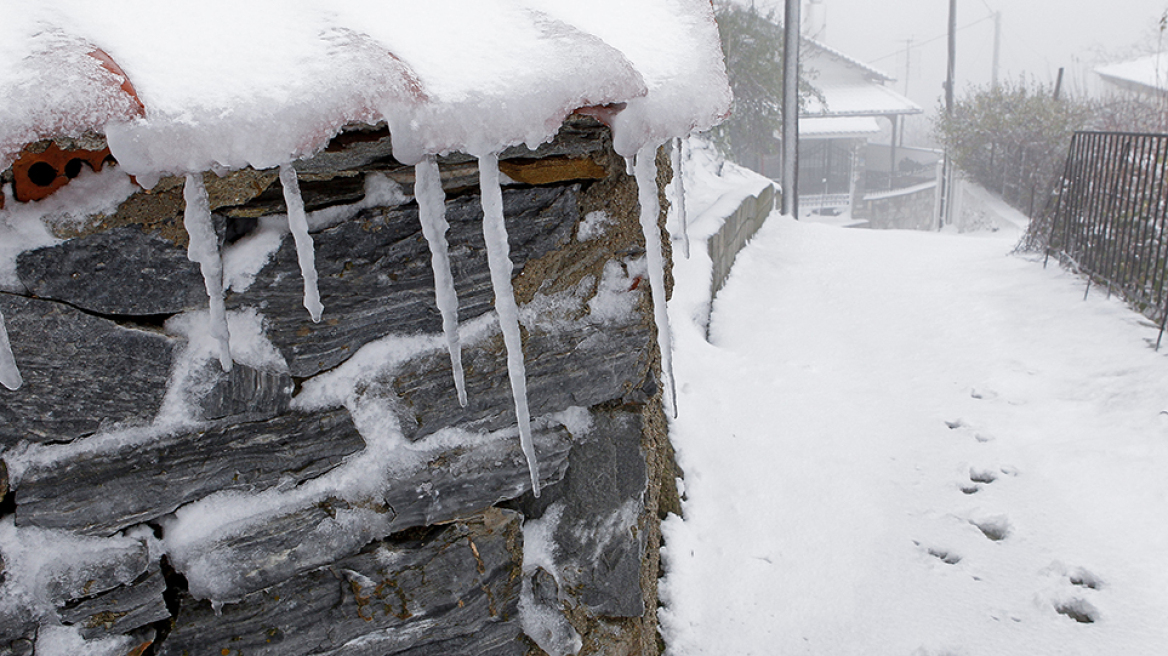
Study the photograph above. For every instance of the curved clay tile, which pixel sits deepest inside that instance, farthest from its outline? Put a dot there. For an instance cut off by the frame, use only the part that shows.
(110, 65)
(43, 167)
(64, 87)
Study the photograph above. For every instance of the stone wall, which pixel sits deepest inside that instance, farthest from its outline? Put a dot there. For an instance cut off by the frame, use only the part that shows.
(329, 495)
(913, 208)
(736, 231)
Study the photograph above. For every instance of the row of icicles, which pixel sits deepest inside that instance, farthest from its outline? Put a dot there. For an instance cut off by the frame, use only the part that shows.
(203, 249)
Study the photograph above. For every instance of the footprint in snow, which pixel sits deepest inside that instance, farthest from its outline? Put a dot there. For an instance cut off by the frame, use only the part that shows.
(995, 527)
(947, 556)
(1071, 586)
(1077, 576)
(1084, 579)
(1078, 609)
(983, 394)
(969, 488)
(984, 476)
(961, 423)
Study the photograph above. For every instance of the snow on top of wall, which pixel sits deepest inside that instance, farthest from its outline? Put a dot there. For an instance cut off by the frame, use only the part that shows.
(223, 85)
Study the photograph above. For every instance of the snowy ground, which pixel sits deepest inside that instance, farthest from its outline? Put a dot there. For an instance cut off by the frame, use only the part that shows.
(915, 444)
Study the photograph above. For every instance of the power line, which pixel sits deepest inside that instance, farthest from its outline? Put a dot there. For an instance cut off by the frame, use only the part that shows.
(928, 41)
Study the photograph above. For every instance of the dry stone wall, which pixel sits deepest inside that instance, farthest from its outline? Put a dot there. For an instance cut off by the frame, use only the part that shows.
(329, 495)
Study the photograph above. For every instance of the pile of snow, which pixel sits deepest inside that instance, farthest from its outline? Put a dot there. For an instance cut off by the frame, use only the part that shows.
(226, 85)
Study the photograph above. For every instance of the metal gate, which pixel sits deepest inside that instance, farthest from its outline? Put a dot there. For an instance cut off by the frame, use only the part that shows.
(1109, 222)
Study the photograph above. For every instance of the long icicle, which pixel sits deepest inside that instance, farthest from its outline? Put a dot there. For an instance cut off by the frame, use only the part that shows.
(679, 193)
(432, 214)
(298, 224)
(499, 259)
(646, 174)
(9, 375)
(203, 249)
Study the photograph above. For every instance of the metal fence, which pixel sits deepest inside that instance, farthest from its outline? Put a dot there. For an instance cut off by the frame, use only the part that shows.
(1109, 221)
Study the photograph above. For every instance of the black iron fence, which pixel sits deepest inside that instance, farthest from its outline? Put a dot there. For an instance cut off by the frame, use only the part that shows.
(1110, 217)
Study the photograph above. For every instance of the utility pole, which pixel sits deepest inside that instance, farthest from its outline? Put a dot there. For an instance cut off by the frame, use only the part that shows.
(946, 208)
(907, 62)
(790, 179)
(997, 47)
(952, 66)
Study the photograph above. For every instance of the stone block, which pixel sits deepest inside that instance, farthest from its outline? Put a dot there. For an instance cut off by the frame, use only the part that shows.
(441, 485)
(450, 590)
(126, 271)
(599, 538)
(245, 392)
(375, 277)
(80, 372)
(101, 492)
(120, 610)
(579, 364)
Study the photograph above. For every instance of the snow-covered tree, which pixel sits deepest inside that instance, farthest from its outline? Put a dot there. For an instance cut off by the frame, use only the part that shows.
(752, 43)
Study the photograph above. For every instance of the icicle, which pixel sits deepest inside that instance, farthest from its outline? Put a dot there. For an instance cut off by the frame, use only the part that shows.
(203, 249)
(679, 194)
(9, 374)
(498, 257)
(629, 165)
(298, 224)
(646, 173)
(432, 213)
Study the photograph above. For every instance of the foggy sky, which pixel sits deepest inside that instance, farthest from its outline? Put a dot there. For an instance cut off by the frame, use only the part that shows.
(1038, 36)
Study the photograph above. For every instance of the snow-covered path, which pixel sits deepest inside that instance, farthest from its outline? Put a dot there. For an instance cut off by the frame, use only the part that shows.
(912, 443)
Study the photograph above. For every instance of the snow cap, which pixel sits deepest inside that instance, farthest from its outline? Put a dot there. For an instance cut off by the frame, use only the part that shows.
(220, 85)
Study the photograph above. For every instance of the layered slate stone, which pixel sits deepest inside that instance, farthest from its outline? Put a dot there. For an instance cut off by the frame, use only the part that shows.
(18, 630)
(126, 271)
(375, 276)
(441, 485)
(120, 610)
(80, 372)
(140, 482)
(450, 590)
(581, 364)
(245, 392)
(599, 541)
(94, 571)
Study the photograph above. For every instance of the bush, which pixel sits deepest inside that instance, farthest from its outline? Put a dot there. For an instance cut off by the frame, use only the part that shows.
(1012, 139)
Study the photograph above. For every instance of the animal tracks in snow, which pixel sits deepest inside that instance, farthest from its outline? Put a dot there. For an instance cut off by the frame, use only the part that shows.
(962, 425)
(1070, 592)
(984, 476)
(947, 556)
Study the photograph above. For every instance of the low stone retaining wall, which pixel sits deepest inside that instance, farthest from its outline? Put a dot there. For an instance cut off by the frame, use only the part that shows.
(735, 232)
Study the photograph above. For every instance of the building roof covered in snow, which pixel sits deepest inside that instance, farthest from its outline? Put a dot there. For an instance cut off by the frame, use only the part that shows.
(1144, 75)
(220, 85)
(837, 127)
(849, 87)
